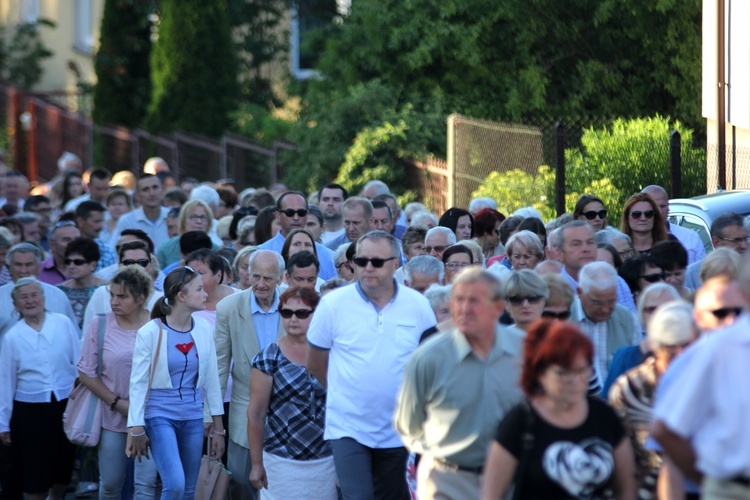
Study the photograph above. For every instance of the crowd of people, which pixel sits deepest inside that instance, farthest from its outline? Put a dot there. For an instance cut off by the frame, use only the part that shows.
(331, 346)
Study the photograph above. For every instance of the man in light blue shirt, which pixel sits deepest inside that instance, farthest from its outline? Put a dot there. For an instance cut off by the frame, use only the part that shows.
(291, 212)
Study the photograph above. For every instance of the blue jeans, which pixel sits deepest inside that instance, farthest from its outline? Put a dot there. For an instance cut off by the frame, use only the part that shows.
(113, 467)
(176, 447)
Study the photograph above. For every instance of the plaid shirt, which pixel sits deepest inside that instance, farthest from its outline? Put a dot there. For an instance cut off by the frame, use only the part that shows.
(108, 255)
(296, 410)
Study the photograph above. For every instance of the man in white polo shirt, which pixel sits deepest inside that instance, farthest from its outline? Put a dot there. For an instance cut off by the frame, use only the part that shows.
(360, 340)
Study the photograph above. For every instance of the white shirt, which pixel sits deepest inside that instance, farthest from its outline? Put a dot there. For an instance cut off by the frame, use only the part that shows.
(331, 235)
(99, 304)
(705, 397)
(55, 301)
(137, 219)
(34, 365)
(691, 241)
(369, 349)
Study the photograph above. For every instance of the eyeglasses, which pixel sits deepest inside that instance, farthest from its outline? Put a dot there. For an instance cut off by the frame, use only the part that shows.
(42, 210)
(289, 212)
(593, 214)
(562, 316)
(735, 240)
(173, 212)
(726, 311)
(570, 375)
(649, 214)
(626, 254)
(195, 217)
(453, 266)
(345, 263)
(300, 313)
(437, 248)
(77, 262)
(140, 262)
(653, 278)
(518, 300)
(376, 262)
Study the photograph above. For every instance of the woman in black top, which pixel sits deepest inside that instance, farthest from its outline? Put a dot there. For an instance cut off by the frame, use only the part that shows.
(560, 443)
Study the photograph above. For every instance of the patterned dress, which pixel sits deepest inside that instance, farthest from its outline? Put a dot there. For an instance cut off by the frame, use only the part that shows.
(79, 299)
(632, 397)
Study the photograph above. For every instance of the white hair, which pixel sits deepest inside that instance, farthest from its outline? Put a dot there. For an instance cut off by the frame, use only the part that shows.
(672, 324)
(448, 232)
(380, 187)
(527, 212)
(477, 204)
(597, 275)
(419, 217)
(279, 260)
(424, 264)
(63, 163)
(206, 194)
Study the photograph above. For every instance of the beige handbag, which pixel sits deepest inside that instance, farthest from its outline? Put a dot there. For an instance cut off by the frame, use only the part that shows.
(213, 479)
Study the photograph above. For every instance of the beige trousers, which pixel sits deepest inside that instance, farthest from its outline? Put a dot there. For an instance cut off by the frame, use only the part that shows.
(438, 481)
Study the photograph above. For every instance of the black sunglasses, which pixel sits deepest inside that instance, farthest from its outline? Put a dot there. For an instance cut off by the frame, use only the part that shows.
(300, 313)
(140, 262)
(437, 248)
(562, 316)
(654, 278)
(289, 212)
(77, 262)
(649, 214)
(593, 214)
(518, 300)
(376, 262)
(726, 311)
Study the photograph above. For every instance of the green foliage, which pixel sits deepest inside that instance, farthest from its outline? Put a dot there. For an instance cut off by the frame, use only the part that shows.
(123, 89)
(613, 163)
(361, 128)
(21, 61)
(193, 69)
(516, 189)
(256, 121)
(629, 155)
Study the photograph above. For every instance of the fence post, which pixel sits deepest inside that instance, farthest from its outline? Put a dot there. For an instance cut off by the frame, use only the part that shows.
(33, 165)
(559, 168)
(675, 164)
(451, 157)
(223, 157)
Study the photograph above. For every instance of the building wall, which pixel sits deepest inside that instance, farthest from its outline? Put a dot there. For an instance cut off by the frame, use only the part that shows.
(736, 81)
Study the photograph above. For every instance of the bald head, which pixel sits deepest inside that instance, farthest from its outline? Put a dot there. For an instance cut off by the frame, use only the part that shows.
(661, 197)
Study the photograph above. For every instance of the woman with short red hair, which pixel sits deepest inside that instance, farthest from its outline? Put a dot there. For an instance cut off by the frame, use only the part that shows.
(559, 443)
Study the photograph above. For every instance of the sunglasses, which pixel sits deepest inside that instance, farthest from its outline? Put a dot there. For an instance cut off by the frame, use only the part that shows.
(518, 300)
(77, 262)
(300, 313)
(653, 278)
(562, 316)
(437, 248)
(140, 262)
(182, 276)
(649, 214)
(726, 311)
(454, 266)
(173, 213)
(593, 214)
(376, 262)
(289, 212)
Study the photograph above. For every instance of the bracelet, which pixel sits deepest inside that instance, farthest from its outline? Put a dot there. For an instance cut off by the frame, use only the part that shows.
(138, 435)
(222, 433)
(114, 403)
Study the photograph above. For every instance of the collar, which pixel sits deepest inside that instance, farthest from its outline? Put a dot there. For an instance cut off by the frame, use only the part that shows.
(501, 346)
(570, 279)
(256, 309)
(140, 215)
(368, 300)
(280, 237)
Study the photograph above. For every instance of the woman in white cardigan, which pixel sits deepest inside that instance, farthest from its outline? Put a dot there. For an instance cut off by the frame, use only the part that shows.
(169, 416)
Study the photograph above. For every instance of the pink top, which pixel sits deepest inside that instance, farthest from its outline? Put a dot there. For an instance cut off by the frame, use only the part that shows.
(117, 357)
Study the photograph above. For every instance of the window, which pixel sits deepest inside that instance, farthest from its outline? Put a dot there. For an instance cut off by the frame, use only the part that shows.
(28, 11)
(308, 16)
(84, 40)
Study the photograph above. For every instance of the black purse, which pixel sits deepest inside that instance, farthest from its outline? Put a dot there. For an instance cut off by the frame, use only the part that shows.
(527, 442)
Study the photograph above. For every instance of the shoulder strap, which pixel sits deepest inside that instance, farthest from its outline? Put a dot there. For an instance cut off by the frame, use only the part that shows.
(527, 442)
(100, 342)
(153, 361)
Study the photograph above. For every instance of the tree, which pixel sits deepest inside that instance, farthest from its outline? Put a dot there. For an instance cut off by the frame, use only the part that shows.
(193, 68)
(21, 60)
(123, 87)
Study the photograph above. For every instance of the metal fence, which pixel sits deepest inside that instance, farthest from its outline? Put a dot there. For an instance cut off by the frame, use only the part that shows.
(55, 126)
(738, 168)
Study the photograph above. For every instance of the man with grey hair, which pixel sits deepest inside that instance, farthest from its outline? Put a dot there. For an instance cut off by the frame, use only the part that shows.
(689, 238)
(374, 188)
(474, 367)
(437, 240)
(24, 260)
(357, 214)
(422, 271)
(609, 325)
(575, 246)
(727, 230)
(621, 241)
(701, 408)
(361, 334)
(246, 323)
(53, 268)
